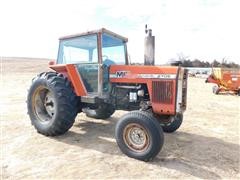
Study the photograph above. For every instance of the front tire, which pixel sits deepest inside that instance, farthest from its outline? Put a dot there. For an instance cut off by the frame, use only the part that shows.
(52, 104)
(139, 135)
(103, 111)
(174, 122)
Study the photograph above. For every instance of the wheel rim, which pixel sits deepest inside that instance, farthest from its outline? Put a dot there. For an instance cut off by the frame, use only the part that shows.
(136, 137)
(44, 104)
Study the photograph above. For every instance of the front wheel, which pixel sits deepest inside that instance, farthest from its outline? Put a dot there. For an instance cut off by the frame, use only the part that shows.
(172, 123)
(139, 135)
(103, 111)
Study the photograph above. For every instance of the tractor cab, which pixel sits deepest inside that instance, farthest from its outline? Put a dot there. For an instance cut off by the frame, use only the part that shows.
(93, 53)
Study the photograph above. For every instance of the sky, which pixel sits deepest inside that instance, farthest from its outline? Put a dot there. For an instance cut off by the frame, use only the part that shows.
(197, 29)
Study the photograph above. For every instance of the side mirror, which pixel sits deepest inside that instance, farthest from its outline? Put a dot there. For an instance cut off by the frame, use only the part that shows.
(50, 63)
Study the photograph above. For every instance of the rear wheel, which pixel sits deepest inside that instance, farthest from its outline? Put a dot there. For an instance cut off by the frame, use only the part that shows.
(52, 104)
(215, 89)
(139, 135)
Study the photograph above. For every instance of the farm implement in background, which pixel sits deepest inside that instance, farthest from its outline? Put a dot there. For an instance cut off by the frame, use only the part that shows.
(226, 80)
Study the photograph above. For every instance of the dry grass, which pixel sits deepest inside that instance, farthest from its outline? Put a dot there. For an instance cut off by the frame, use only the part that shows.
(206, 146)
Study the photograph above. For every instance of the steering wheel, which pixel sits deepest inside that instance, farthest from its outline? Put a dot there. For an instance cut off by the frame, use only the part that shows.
(107, 62)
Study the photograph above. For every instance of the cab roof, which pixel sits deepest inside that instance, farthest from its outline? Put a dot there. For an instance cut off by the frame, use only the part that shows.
(102, 30)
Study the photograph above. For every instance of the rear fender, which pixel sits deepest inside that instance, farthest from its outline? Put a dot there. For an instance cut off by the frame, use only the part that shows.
(70, 71)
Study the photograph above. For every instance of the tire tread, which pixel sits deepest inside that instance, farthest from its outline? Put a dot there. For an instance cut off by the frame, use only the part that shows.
(67, 103)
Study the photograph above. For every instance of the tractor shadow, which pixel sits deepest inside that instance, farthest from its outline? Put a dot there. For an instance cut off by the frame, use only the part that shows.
(97, 135)
(182, 151)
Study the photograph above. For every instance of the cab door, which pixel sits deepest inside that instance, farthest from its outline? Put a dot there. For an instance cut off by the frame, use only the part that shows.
(83, 53)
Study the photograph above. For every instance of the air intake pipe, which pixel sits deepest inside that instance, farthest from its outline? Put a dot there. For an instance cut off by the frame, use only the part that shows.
(149, 47)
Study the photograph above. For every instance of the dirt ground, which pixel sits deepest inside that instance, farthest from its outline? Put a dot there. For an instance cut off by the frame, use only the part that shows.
(207, 145)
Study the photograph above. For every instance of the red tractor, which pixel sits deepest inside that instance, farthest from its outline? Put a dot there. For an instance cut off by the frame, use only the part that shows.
(92, 75)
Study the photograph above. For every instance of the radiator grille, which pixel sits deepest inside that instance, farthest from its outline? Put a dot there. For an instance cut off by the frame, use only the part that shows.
(162, 92)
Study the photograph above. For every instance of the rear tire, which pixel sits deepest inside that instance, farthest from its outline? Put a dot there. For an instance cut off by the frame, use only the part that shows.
(139, 135)
(52, 104)
(215, 89)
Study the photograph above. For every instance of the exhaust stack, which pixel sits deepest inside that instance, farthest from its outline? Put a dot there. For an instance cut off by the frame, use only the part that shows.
(149, 47)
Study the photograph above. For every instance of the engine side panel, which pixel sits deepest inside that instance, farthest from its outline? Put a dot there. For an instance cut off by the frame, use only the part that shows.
(161, 83)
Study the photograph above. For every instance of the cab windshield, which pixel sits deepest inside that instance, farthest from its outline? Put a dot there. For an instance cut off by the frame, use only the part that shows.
(113, 50)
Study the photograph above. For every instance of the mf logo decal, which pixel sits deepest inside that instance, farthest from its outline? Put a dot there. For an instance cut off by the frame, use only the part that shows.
(119, 74)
